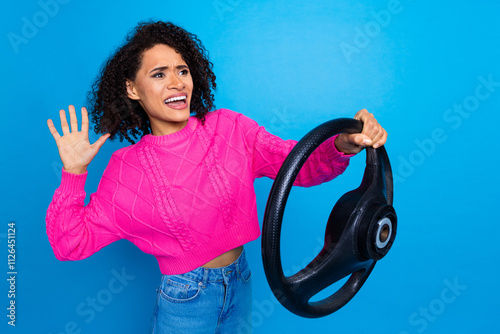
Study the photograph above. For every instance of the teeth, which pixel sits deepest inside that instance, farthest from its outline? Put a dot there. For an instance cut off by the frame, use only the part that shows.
(177, 98)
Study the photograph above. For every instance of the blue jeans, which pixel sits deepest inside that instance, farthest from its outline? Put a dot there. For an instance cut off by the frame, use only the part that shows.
(205, 300)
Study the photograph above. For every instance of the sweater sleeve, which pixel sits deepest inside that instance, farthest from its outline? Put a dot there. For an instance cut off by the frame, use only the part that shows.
(270, 151)
(75, 230)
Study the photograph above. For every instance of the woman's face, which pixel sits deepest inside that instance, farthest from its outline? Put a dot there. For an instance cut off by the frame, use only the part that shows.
(163, 86)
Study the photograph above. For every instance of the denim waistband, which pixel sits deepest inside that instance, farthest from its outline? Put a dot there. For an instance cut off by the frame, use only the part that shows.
(205, 275)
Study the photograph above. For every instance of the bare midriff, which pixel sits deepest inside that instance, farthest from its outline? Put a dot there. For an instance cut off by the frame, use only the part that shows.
(224, 259)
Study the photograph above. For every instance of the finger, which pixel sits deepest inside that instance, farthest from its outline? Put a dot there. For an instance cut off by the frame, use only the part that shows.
(53, 130)
(64, 122)
(72, 118)
(370, 127)
(377, 137)
(85, 120)
(376, 132)
(370, 131)
(99, 142)
(360, 114)
(381, 141)
(368, 121)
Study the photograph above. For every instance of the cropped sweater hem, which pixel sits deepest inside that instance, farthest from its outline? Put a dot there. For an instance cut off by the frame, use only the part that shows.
(207, 251)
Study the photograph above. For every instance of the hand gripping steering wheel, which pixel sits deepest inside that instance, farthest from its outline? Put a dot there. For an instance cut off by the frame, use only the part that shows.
(360, 230)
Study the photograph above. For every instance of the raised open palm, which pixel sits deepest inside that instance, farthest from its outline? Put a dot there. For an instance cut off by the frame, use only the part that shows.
(74, 146)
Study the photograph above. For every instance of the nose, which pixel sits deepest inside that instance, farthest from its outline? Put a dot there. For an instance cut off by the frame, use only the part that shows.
(175, 83)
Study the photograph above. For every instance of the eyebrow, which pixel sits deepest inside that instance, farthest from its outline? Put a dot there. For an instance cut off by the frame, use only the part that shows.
(163, 68)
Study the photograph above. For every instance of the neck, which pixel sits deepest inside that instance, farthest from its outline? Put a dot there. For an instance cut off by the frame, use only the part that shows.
(167, 129)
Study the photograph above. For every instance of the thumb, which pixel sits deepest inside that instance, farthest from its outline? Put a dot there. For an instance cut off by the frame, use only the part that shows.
(99, 142)
(361, 140)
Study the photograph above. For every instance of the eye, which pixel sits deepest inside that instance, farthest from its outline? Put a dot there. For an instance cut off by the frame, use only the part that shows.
(184, 72)
(158, 75)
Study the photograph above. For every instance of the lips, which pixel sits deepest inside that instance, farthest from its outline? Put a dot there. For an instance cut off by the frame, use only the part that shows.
(177, 101)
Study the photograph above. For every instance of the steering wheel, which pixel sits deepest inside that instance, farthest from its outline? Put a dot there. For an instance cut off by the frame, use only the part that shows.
(360, 230)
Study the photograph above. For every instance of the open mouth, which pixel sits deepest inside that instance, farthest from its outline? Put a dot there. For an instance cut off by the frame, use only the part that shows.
(180, 99)
(177, 102)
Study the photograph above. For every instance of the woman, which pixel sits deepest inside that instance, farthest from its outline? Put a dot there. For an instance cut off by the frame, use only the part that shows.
(184, 192)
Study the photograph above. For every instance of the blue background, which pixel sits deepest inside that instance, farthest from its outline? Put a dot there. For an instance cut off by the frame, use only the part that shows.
(290, 65)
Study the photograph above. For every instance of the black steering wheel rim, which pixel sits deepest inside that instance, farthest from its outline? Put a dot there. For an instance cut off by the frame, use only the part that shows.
(363, 214)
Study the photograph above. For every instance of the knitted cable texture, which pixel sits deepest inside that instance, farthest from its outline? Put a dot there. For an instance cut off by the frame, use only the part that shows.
(163, 197)
(217, 177)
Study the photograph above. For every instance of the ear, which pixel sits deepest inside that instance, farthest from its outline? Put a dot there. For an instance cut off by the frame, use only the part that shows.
(131, 90)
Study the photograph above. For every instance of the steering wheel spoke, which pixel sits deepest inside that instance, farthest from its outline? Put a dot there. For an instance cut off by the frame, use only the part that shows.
(314, 278)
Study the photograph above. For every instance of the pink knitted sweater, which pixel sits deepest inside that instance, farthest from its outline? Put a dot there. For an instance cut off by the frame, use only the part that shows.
(185, 198)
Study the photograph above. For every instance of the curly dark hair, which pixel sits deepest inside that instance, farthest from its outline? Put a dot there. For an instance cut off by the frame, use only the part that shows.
(111, 109)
